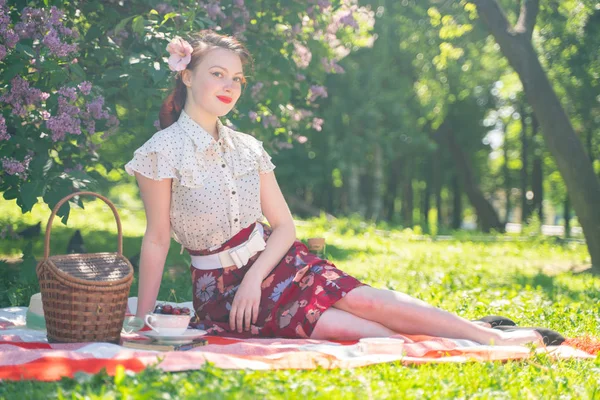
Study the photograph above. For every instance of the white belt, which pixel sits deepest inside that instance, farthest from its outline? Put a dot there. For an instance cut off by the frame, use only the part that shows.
(238, 255)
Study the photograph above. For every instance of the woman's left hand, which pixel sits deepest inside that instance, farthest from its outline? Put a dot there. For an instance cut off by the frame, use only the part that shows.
(245, 306)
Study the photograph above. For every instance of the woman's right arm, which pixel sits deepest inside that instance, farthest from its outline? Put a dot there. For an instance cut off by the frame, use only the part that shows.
(156, 195)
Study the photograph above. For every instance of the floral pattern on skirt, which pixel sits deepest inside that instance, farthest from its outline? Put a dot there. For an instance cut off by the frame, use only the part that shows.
(294, 295)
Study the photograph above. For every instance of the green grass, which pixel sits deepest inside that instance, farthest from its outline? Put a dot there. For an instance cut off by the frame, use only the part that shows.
(528, 281)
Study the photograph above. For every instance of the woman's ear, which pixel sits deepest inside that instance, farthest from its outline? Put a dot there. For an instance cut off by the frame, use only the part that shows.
(186, 77)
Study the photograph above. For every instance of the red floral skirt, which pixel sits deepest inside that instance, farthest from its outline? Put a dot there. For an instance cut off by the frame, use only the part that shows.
(294, 295)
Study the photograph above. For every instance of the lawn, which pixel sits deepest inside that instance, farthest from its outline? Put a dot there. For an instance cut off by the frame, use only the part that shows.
(530, 281)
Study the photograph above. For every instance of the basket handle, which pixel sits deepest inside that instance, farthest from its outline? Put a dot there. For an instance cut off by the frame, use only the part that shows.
(67, 198)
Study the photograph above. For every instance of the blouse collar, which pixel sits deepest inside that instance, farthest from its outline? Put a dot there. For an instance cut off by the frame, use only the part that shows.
(201, 138)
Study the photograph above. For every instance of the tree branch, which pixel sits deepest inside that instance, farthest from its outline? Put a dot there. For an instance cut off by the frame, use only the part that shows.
(527, 17)
(494, 17)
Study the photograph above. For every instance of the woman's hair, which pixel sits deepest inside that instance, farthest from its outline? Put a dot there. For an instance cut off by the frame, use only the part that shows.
(201, 42)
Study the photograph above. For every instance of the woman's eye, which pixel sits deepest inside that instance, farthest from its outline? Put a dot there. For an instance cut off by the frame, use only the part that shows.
(215, 73)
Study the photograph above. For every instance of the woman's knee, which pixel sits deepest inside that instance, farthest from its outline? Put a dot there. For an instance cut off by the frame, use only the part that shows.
(335, 324)
(363, 300)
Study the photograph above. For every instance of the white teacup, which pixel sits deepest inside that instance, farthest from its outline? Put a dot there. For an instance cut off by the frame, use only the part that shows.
(168, 324)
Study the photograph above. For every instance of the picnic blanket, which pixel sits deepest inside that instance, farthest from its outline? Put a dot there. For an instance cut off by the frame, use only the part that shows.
(26, 354)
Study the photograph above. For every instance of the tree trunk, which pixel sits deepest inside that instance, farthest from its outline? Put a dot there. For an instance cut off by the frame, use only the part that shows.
(506, 173)
(487, 218)
(525, 165)
(392, 189)
(437, 187)
(456, 204)
(353, 189)
(537, 173)
(426, 206)
(377, 194)
(567, 216)
(575, 167)
(407, 196)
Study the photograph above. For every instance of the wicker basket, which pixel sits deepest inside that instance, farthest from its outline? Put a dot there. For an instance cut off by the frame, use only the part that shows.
(84, 295)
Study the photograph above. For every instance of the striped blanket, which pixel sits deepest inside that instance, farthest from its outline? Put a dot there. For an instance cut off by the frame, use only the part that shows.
(26, 354)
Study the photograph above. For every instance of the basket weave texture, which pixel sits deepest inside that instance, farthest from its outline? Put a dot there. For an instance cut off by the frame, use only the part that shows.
(84, 295)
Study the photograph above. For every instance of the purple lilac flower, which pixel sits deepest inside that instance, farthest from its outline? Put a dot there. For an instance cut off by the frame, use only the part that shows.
(68, 92)
(348, 20)
(2, 52)
(3, 131)
(12, 166)
(316, 92)
(331, 66)
(22, 95)
(252, 115)
(45, 26)
(270, 120)
(323, 3)
(213, 9)
(157, 124)
(300, 77)
(303, 55)
(95, 108)
(90, 126)
(301, 114)
(256, 89)
(62, 124)
(317, 124)
(57, 47)
(85, 87)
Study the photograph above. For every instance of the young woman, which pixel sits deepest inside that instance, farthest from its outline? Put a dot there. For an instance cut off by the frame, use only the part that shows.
(209, 187)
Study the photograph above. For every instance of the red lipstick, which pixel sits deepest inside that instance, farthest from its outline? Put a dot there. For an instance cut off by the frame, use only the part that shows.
(225, 99)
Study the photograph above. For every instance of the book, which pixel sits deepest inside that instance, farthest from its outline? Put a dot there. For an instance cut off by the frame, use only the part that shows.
(149, 345)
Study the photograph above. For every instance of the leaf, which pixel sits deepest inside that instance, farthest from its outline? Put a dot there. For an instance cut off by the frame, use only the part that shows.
(30, 191)
(167, 17)
(75, 68)
(27, 274)
(137, 25)
(55, 193)
(93, 33)
(27, 50)
(12, 71)
(11, 193)
(121, 25)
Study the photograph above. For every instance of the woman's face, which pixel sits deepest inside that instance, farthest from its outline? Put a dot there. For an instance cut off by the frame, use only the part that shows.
(215, 84)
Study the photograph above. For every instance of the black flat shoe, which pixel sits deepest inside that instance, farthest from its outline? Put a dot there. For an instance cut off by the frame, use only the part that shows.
(551, 338)
(496, 320)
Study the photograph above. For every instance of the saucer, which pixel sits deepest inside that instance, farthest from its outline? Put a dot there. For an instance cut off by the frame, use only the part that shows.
(185, 337)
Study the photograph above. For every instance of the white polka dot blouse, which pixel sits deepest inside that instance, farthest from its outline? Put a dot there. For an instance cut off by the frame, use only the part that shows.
(215, 189)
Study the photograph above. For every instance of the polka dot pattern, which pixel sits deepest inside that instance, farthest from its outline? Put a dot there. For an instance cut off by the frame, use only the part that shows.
(215, 191)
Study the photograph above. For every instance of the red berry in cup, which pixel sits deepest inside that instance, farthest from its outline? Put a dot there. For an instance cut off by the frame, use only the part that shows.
(167, 309)
(185, 310)
(176, 311)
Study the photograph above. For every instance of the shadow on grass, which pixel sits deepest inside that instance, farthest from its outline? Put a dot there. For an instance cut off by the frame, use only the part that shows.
(342, 253)
(552, 287)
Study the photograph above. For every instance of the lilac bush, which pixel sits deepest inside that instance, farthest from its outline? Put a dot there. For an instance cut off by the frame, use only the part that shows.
(51, 119)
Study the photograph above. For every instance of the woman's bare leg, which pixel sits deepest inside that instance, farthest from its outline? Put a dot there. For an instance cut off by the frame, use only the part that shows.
(407, 315)
(335, 324)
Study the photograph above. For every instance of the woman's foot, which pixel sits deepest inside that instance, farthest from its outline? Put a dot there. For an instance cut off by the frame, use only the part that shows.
(516, 338)
(550, 337)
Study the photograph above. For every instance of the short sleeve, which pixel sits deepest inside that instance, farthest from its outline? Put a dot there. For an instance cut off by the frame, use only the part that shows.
(151, 165)
(169, 155)
(264, 162)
